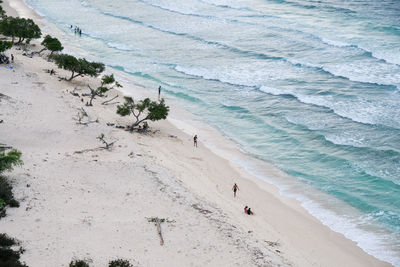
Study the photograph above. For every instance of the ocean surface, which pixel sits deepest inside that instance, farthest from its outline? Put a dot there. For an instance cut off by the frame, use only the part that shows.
(310, 86)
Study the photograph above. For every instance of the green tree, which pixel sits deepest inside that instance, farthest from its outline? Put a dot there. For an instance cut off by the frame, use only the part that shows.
(78, 66)
(2, 12)
(21, 28)
(4, 45)
(149, 110)
(51, 44)
(108, 82)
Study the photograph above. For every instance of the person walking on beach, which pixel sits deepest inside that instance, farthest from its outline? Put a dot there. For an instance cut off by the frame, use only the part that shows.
(159, 92)
(195, 140)
(235, 188)
(12, 58)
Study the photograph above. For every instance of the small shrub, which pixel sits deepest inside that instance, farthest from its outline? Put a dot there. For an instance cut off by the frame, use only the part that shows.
(8, 256)
(120, 263)
(13, 203)
(78, 263)
(6, 196)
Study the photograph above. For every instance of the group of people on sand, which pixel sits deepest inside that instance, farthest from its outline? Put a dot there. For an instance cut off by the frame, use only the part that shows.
(247, 209)
(77, 30)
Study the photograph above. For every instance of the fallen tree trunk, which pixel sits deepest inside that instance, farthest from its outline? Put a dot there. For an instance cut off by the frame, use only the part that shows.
(108, 101)
(158, 224)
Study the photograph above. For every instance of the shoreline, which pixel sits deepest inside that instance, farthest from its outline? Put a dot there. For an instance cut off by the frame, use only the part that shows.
(213, 185)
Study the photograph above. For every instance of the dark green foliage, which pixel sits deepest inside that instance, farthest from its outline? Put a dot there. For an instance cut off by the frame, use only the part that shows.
(9, 159)
(52, 44)
(2, 12)
(8, 256)
(120, 263)
(153, 110)
(6, 241)
(78, 66)
(4, 45)
(13, 203)
(108, 82)
(78, 263)
(21, 28)
(6, 196)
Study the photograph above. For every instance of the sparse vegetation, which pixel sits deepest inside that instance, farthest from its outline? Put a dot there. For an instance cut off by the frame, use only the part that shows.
(108, 82)
(107, 145)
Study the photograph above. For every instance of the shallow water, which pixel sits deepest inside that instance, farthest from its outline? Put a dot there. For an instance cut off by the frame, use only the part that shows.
(310, 86)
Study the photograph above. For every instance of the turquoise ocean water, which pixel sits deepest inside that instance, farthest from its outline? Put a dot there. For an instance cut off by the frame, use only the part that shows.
(312, 87)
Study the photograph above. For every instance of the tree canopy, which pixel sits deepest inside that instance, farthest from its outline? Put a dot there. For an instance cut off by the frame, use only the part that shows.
(78, 66)
(4, 45)
(21, 28)
(151, 110)
(2, 12)
(52, 44)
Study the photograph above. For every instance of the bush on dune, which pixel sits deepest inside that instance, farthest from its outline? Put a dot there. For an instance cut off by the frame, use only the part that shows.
(8, 256)
(78, 263)
(120, 263)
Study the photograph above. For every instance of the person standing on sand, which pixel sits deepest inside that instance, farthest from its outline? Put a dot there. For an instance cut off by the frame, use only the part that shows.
(159, 92)
(235, 188)
(195, 140)
(12, 58)
(249, 212)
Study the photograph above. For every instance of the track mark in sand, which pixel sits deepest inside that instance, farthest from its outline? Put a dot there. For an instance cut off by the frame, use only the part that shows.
(196, 158)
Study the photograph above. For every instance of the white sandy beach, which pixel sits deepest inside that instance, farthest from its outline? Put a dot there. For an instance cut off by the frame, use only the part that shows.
(81, 201)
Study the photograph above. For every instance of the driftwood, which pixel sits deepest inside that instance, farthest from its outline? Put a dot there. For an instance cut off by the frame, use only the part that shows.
(107, 144)
(107, 102)
(157, 222)
(81, 115)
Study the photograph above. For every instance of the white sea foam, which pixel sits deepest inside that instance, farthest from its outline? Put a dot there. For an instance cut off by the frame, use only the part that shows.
(335, 42)
(351, 223)
(119, 46)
